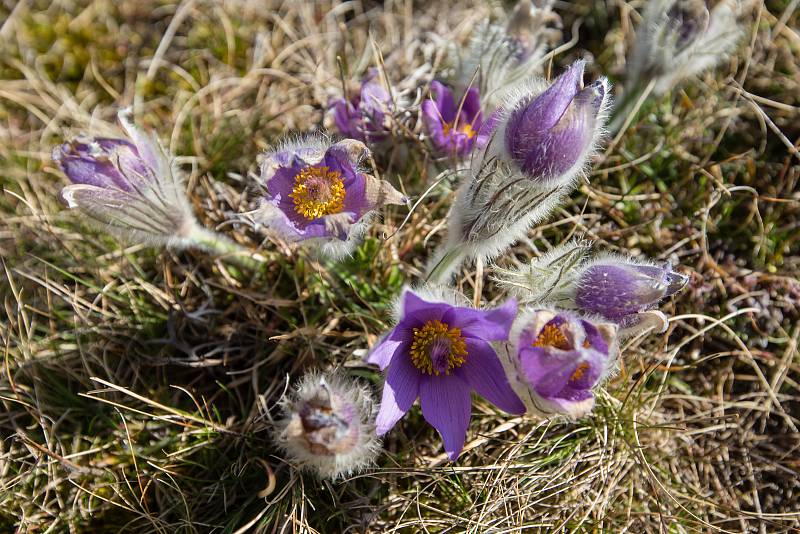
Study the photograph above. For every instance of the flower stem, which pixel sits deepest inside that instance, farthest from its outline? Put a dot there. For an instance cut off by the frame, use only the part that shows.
(225, 248)
(442, 270)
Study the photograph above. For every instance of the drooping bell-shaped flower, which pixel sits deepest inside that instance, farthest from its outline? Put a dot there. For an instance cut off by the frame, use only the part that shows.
(130, 186)
(365, 114)
(555, 359)
(618, 288)
(677, 39)
(440, 351)
(317, 193)
(327, 425)
(454, 127)
(541, 144)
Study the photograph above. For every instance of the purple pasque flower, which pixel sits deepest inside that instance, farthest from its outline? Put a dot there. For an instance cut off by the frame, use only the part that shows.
(317, 191)
(129, 185)
(439, 352)
(364, 115)
(549, 135)
(455, 128)
(557, 359)
(618, 288)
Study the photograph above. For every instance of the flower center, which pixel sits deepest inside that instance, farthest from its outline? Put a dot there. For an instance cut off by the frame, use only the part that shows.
(437, 348)
(318, 191)
(552, 336)
(579, 372)
(465, 128)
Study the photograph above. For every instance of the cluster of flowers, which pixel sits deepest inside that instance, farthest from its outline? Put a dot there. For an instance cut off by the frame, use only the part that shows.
(526, 142)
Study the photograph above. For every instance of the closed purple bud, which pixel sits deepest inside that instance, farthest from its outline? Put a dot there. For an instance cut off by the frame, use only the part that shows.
(550, 134)
(327, 426)
(130, 186)
(556, 359)
(616, 288)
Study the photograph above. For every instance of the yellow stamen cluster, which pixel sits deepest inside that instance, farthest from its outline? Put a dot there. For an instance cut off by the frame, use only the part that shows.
(318, 191)
(465, 128)
(552, 336)
(579, 371)
(431, 334)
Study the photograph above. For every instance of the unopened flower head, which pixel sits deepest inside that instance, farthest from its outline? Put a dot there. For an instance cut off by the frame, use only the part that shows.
(131, 186)
(541, 144)
(681, 38)
(617, 288)
(499, 55)
(455, 127)
(365, 114)
(556, 358)
(326, 425)
(317, 193)
(439, 351)
(549, 135)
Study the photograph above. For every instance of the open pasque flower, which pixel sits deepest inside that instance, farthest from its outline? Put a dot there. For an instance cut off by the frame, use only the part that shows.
(543, 141)
(327, 425)
(364, 115)
(455, 128)
(131, 186)
(556, 358)
(317, 193)
(439, 351)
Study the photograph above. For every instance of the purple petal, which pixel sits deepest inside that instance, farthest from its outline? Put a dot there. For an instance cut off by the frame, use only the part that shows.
(399, 392)
(445, 102)
(484, 373)
(491, 325)
(446, 405)
(382, 353)
(471, 108)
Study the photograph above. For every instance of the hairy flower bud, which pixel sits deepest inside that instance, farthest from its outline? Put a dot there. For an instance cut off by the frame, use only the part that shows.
(680, 38)
(555, 359)
(131, 186)
(327, 426)
(616, 288)
(541, 144)
(549, 136)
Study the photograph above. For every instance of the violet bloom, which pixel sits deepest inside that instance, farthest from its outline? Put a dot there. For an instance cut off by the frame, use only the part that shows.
(439, 352)
(455, 128)
(618, 288)
(131, 186)
(550, 136)
(557, 358)
(318, 193)
(364, 115)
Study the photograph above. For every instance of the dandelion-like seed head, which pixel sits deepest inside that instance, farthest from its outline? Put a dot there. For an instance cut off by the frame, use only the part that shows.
(318, 191)
(437, 348)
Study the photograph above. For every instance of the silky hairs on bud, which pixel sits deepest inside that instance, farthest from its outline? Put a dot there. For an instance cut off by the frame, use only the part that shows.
(327, 425)
(545, 136)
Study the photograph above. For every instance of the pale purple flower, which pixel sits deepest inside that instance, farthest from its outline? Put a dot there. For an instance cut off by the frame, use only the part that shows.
(327, 425)
(618, 288)
(440, 352)
(455, 128)
(131, 186)
(317, 192)
(364, 115)
(556, 359)
(548, 136)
